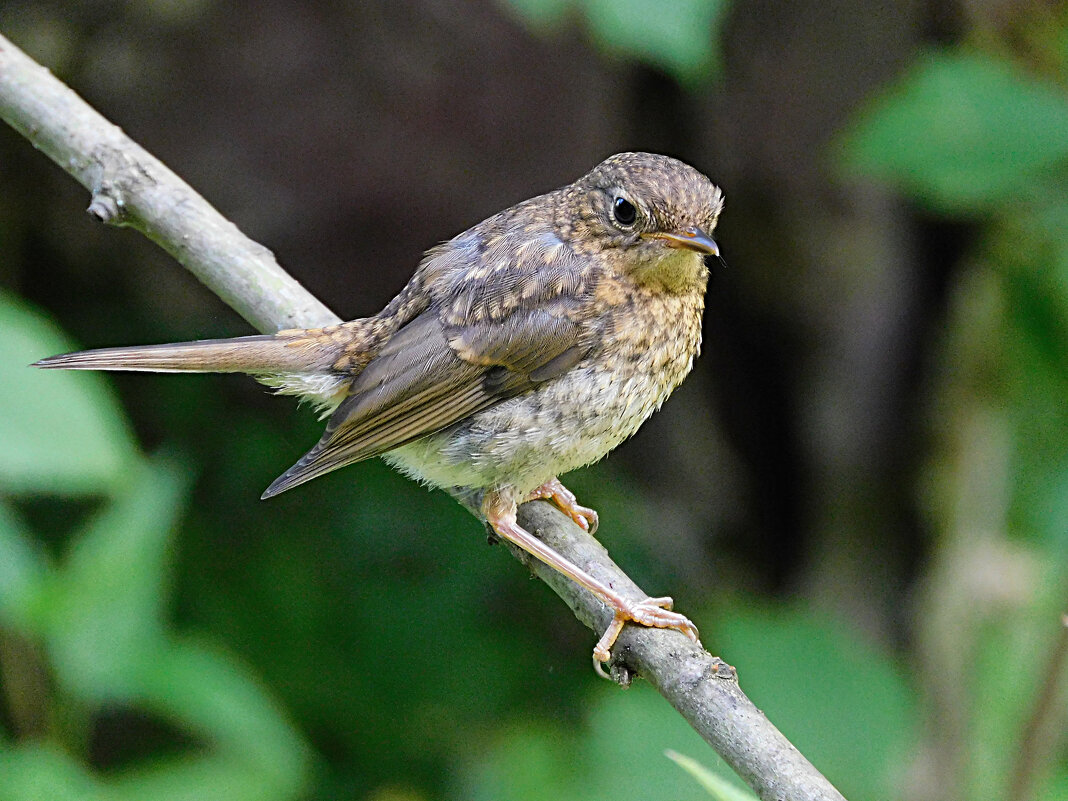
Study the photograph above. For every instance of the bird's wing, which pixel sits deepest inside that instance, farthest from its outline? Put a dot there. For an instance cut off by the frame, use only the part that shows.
(481, 344)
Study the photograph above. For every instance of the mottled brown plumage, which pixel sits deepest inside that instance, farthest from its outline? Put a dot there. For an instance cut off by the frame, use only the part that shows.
(525, 347)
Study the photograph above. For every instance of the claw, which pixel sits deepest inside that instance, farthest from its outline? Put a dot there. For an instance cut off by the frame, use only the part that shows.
(652, 612)
(565, 500)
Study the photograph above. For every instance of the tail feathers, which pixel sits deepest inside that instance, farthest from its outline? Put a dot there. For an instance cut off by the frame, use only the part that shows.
(258, 355)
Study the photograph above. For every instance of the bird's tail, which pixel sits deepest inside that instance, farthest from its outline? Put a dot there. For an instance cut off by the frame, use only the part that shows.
(259, 355)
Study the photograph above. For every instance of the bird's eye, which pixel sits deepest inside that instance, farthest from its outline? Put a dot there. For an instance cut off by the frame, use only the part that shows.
(624, 212)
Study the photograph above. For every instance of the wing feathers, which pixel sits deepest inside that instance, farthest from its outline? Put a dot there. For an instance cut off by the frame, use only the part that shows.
(347, 447)
(470, 350)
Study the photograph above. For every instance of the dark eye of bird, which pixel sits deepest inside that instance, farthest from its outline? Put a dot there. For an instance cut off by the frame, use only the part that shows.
(624, 212)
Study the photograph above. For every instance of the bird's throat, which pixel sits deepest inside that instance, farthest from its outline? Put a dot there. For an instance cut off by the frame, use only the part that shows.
(675, 270)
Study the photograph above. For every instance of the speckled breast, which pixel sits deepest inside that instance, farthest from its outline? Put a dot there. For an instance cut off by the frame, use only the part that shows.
(647, 344)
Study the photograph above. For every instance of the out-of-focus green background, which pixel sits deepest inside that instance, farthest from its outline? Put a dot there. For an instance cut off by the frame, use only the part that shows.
(860, 496)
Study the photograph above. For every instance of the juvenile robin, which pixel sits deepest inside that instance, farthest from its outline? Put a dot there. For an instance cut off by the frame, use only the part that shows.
(527, 346)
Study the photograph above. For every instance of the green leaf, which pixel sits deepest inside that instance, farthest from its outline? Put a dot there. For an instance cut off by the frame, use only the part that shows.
(680, 36)
(43, 773)
(104, 616)
(627, 734)
(196, 779)
(107, 638)
(213, 695)
(960, 131)
(60, 432)
(841, 702)
(719, 788)
(529, 763)
(23, 568)
(618, 747)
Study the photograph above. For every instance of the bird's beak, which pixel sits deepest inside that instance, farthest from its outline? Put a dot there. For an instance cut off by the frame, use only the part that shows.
(690, 239)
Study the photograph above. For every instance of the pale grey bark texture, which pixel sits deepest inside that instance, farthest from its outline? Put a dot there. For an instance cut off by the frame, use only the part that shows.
(131, 187)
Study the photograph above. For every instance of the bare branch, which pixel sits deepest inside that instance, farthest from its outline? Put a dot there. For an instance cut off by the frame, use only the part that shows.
(130, 187)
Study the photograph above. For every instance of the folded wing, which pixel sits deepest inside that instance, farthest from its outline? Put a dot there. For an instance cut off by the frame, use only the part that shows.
(440, 369)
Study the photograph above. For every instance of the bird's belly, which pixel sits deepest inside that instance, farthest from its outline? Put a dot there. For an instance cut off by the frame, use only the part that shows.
(524, 441)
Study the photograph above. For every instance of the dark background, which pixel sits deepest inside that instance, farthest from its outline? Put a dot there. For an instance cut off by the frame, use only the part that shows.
(844, 495)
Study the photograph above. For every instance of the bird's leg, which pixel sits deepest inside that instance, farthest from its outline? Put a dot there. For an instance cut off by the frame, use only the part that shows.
(552, 490)
(499, 508)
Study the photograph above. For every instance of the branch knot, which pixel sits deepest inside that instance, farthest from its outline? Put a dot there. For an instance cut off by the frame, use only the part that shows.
(107, 207)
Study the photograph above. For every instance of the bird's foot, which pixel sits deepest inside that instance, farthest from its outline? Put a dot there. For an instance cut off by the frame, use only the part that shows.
(499, 509)
(565, 500)
(652, 612)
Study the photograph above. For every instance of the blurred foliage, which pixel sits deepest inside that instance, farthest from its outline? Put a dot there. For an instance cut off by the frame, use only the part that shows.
(843, 704)
(84, 633)
(70, 439)
(965, 133)
(165, 635)
(94, 622)
(981, 135)
(681, 37)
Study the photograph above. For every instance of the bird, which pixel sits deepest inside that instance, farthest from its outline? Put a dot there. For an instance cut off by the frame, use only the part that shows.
(529, 345)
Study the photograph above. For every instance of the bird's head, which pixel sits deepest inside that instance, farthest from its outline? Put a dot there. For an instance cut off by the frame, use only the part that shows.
(652, 215)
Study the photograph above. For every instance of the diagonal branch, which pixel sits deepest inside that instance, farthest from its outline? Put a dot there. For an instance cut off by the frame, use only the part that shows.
(131, 187)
